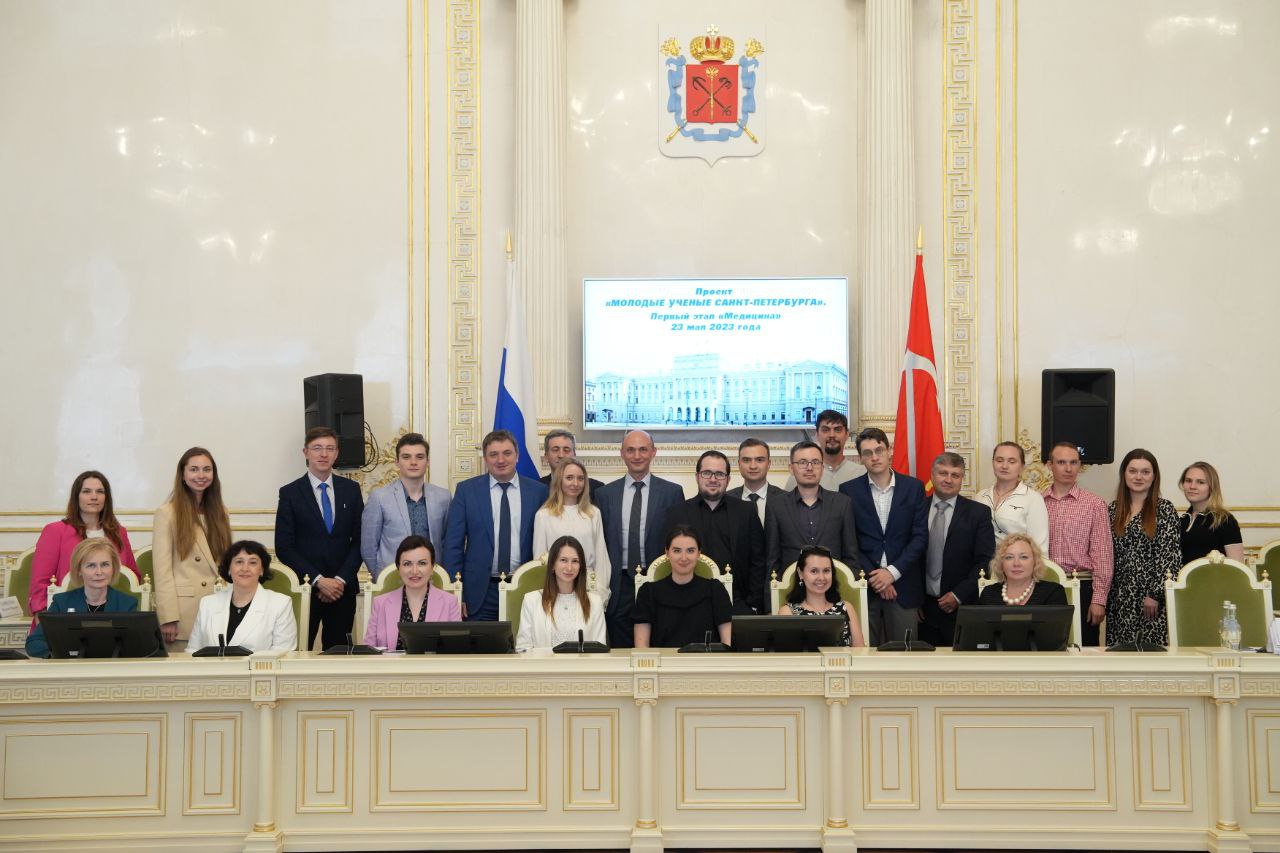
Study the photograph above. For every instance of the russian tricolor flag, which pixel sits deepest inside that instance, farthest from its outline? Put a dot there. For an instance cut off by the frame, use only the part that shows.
(516, 409)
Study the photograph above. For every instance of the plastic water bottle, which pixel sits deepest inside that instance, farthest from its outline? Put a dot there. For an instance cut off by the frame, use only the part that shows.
(1222, 624)
(1232, 628)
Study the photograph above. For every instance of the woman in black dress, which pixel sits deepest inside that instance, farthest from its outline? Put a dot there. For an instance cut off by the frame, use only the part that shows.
(1207, 526)
(682, 608)
(1019, 566)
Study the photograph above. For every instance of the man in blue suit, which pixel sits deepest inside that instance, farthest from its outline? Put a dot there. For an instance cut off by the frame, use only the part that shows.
(634, 511)
(490, 528)
(891, 516)
(407, 505)
(318, 536)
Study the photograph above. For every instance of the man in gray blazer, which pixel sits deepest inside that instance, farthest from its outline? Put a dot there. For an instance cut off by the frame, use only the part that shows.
(409, 505)
(809, 515)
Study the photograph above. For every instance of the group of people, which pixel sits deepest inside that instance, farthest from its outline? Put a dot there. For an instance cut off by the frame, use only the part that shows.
(921, 554)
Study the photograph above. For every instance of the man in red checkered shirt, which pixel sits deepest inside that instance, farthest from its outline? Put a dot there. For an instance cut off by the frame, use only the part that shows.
(1079, 535)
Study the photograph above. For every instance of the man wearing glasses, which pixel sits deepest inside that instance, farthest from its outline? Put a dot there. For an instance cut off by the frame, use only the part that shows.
(808, 516)
(318, 536)
(893, 533)
(730, 530)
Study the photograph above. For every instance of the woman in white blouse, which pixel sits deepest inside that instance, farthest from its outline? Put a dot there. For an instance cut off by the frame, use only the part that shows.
(563, 607)
(1015, 506)
(245, 613)
(568, 512)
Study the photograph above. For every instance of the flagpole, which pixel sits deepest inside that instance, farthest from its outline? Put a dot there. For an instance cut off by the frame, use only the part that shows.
(919, 242)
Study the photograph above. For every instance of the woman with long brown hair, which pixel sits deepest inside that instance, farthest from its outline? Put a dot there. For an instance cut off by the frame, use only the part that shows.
(190, 534)
(1145, 538)
(563, 607)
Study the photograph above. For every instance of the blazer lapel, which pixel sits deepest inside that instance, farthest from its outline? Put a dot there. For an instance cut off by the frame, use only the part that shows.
(252, 617)
(402, 508)
(308, 496)
(486, 509)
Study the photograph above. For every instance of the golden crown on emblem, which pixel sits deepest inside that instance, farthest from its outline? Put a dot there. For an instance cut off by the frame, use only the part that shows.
(713, 47)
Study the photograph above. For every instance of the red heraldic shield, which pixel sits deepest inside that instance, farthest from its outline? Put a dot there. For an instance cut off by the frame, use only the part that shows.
(712, 93)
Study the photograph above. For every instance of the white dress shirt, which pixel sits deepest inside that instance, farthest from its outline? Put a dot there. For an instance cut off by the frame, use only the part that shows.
(883, 499)
(764, 496)
(630, 560)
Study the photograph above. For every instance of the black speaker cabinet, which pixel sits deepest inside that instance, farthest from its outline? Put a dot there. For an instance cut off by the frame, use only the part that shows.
(1079, 406)
(336, 400)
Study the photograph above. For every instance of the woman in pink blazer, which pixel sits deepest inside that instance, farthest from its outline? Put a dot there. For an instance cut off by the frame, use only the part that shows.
(416, 601)
(89, 516)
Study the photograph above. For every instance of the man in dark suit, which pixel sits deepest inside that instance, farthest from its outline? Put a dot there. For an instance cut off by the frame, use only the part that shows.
(561, 444)
(809, 515)
(961, 543)
(490, 527)
(731, 533)
(890, 510)
(318, 536)
(753, 465)
(634, 511)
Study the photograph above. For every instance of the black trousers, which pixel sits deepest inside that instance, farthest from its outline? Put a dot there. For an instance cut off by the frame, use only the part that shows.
(617, 616)
(938, 627)
(333, 619)
(1089, 634)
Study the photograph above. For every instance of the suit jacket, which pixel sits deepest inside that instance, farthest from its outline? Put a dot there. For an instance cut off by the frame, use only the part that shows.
(74, 601)
(663, 495)
(268, 624)
(902, 540)
(770, 491)
(971, 542)
(469, 537)
(385, 523)
(784, 540)
(745, 552)
(384, 615)
(52, 560)
(305, 546)
(180, 580)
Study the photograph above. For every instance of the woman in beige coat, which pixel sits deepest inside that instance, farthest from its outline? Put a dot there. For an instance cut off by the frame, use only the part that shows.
(190, 533)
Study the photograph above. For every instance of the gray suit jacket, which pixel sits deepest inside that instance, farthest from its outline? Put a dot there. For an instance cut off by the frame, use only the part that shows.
(386, 523)
(783, 537)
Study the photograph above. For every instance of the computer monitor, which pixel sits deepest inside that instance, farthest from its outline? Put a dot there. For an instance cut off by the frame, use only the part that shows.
(787, 633)
(1028, 628)
(457, 638)
(103, 635)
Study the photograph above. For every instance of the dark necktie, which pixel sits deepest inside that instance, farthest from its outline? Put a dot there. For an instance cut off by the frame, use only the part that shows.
(504, 532)
(634, 555)
(755, 503)
(326, 507)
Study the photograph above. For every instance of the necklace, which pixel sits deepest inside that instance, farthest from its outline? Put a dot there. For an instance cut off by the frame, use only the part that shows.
(96, 608)
(1021, 599)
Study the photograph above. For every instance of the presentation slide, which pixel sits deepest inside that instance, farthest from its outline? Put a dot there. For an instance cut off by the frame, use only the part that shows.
(713, 353)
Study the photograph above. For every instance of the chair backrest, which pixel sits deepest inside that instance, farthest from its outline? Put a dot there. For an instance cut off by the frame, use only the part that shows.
(1267, 567)
(852, 590)
(18, 583)
(511, 590)
(143, 558)
(1194, 602)
(124, 581)
(285, 580)
(389, 579)
(706, 568)
(1058, 575)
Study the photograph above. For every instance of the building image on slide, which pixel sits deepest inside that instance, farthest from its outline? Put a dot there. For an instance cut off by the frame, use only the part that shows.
(697, 391)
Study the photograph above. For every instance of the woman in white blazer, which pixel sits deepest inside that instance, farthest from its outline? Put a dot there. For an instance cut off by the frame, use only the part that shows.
(563, 607)
(568, 512)
(245, 613)
(1015, 506)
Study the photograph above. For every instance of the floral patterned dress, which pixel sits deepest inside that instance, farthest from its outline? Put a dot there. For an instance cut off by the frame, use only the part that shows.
(1140, 568)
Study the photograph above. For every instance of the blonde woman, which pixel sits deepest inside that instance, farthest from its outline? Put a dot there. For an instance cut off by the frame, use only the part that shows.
(1015, 506)
(563, 607)
(1206, 525)
(1019, 566)
(94, 565)
(568, 512)
(190, 534)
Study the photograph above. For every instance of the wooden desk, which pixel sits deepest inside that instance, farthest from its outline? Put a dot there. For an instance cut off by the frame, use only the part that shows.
(838, 750)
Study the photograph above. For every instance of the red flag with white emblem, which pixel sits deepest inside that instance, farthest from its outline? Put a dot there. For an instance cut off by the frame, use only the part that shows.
(917, 438)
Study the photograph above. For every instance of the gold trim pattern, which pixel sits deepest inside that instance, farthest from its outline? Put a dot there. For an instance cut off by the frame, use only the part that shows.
(464, 238)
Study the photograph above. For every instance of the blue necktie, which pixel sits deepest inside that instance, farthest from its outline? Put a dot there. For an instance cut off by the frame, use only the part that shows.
(326, 507)
(504, 532)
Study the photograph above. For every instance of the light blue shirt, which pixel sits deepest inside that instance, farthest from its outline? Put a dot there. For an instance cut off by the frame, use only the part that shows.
(495, 501)
(629, 561)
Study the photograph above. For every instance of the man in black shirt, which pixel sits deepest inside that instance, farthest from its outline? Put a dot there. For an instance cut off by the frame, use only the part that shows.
(730, 530)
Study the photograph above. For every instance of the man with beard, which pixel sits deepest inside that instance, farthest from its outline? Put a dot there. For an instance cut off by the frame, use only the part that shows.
(832, 434)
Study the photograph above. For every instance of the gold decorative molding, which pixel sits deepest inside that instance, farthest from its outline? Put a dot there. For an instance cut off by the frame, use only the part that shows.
(515, 686)
(960, 231)
(463, 59)
(1084, 685)
(722, 685)
(31, 692)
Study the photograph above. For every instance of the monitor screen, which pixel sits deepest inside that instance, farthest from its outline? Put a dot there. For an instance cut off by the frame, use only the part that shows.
(1025, 628)
(457, 638)
(787, 633)
(713, 353)
(103, 635)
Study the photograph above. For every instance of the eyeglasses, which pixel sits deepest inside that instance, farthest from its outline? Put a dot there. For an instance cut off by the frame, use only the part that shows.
(870, 453)
(323, 448)
(807, 463)
(713, 475)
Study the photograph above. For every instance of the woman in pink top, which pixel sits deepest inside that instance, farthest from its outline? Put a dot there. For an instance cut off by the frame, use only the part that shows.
(416, 601)
(89, 516)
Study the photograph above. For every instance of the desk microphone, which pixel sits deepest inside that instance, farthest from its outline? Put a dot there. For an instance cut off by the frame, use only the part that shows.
(582, 641)
(222, 646)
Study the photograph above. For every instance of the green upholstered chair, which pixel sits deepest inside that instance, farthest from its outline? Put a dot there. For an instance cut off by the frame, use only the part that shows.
(706, 568)
(389, 579)
(1267, 567)
(124, 581)
(852, 590)
(1058, 575)
(284, 580)
(511, 591)
(143, 558)
(1194, 602)
(19, 580)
